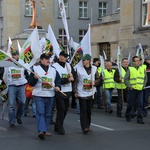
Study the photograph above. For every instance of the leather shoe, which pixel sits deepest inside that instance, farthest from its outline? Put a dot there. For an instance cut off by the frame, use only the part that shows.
(128, 119)
(86, 130)
(61, 132)
(12, 125)
(52, 122)
(140, 121)
(41, 135)
(19, 121)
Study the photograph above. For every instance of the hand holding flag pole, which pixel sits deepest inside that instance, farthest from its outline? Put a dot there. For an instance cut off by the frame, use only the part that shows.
(20, 65)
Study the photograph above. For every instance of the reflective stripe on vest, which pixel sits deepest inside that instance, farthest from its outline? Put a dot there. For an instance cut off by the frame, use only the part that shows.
(137, 77)
(109, 79)
(121, 85)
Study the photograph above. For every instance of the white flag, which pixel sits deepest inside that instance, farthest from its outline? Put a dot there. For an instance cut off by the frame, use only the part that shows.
(31, 50)
(56, 48)
(19, 47)
(119, 61)
(9, 47)
(83, 48)
(63, 15)
(102, 64)
(105, 57)
(140, 52)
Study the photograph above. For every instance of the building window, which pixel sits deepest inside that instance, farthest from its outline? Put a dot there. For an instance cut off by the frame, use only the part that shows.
(105, 47)
(83, 9)
(66, 8)
(102, 10)
(62, 37)
(81, 34)
(145, 13)
(28, 8)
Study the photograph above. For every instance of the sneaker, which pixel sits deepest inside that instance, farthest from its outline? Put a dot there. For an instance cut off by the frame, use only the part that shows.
(47, 133)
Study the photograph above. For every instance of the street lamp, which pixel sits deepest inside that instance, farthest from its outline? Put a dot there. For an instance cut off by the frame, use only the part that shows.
(34, 22)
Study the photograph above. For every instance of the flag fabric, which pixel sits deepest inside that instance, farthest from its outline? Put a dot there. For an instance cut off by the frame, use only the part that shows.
(55, 46)
(119, 61)
(6, 60)
(140, 52)
(31, 50)
(102, 64)
(9, 46)
(105, 57)
(19, 47)
(63, 15)
(83, 48)
(73, 46)
(129, 57)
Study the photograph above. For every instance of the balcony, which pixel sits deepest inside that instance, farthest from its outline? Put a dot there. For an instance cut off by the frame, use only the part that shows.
(112, 17)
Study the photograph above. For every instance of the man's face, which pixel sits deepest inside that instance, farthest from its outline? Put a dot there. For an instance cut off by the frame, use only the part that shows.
(148, 61)
(125, 63)
(136, 62)
(86, 62)
(45, 62)
(109, 65)
(97, 63)
(62, 58)
(16, 57)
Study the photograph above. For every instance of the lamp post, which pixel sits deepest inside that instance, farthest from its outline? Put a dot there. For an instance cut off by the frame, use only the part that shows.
(34, 22)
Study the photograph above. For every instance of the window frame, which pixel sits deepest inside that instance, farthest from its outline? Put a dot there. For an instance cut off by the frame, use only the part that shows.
(62, 37)
(83, 8)
(145, 16)
(28, 9)
(102, 9)
(84, 31)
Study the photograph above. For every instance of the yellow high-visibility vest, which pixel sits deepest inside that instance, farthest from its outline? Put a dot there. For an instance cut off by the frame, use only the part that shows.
(121, 85)
(137, 77)
(99, 69)
(109, 79)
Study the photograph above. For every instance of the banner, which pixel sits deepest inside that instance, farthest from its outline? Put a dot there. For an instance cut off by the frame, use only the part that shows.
(31, 50)
(6, 60)
(83, 48)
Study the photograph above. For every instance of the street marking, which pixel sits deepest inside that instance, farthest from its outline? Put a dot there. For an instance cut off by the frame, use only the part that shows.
(95, 125)
(4, 129)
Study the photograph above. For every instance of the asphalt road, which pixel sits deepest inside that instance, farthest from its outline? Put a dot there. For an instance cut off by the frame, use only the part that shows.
(109, 133)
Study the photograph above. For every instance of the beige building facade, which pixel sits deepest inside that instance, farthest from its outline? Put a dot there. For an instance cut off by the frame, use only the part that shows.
(126, 27)
(16, 16)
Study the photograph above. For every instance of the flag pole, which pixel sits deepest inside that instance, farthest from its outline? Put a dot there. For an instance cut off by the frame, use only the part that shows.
(19, 65)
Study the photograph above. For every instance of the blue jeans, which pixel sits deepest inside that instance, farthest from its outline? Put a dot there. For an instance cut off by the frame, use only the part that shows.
(44, 107)
(146, 93)
(16, 93)
(78, 107)
(108, 93)
(99, 95)
(27, 106)
(132, 96)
